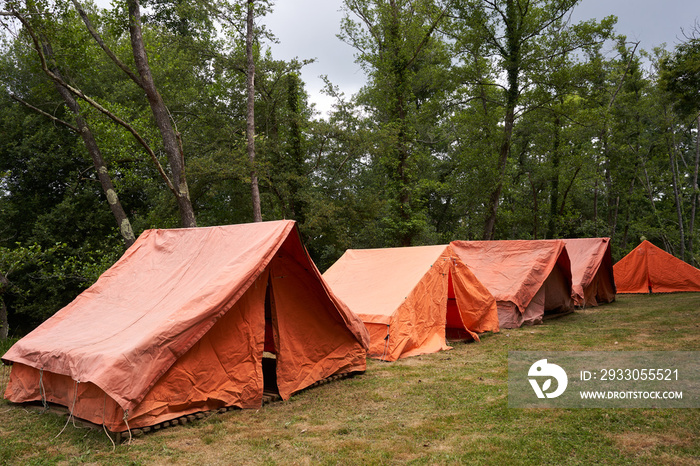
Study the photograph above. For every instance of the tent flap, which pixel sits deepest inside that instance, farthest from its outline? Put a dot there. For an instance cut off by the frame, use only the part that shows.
(591, 270)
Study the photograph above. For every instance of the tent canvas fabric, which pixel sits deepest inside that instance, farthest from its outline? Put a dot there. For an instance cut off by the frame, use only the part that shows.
(650, 269)
(177, 326)
(527, 278)
(591, 270)
(408, 298)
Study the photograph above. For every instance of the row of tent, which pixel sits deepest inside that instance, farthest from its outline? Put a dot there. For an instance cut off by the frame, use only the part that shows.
(401, 294)
(193, 320)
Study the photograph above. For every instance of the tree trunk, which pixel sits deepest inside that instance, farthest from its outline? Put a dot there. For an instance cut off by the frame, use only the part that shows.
(611, 198)
(406, 236)
(296, 153)
(595, 205)
(495, 197)
(512, 65)
(100, 166)
(4, 325)
(535, 207)
(554, 182)
(676, 192)
(562, 206)
(613, 222)
(629, 211)
(650, 194)
(250, 115)
(691, 226)
(403, 142)
(161, 115)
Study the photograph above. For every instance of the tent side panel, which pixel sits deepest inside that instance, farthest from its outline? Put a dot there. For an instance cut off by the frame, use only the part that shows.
(508, 314)
(423, 314)
(510, 317)
(23, 384)
(86, 400)
(631, 272)
(224, 368)
(219, 370)
(379, 343)
(534, 312)
(668, 274)
(557, 292)
(314, 340)
(589, 294)
(601, 289)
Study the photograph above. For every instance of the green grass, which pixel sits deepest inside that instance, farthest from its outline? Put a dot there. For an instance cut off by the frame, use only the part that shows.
(445, 408)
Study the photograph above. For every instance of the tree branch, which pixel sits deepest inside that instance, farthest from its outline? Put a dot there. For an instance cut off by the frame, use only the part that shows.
(48, 115)
(622, 79)
(427, 35)
(93, 103)
(101, 43)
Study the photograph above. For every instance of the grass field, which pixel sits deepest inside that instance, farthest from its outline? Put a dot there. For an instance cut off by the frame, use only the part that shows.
(445, 408)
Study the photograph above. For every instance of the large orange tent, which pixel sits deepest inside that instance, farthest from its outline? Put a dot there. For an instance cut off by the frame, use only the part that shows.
(649, 269)
(178, 325)
(410, 297)
(591, 270)
(527, 278)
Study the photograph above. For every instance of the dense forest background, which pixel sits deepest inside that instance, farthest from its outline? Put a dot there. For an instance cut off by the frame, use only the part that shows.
(480, 119)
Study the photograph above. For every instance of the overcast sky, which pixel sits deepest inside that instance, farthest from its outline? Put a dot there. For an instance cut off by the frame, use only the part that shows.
(308, 29)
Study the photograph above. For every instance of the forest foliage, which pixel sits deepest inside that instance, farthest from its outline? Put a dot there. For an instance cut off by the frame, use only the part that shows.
(499, 119)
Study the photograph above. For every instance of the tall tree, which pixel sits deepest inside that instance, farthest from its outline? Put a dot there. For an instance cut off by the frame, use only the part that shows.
(170, 138)
(83, 128)
(398, 45)
(4, 323)
(172, 144)
(680, 77)
(518, 34)
(250, 110)
(45, 50)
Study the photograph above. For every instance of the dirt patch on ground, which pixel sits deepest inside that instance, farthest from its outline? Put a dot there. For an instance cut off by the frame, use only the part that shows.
(652, 446)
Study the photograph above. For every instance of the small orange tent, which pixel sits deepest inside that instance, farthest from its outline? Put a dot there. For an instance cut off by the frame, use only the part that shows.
(649, 269)
(527, 278)
(179, 324)
(410, 297)
(591, 270)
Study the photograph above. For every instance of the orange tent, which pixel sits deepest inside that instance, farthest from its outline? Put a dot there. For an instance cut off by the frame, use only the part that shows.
(591, 270)
(179, 325)
(410, 297)
(527, 278)
(649, 269)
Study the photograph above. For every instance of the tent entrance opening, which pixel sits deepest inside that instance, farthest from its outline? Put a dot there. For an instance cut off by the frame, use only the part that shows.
(454, 327)
(269, 360)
